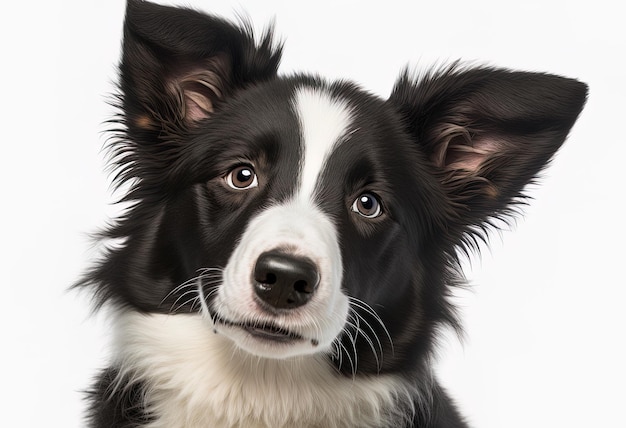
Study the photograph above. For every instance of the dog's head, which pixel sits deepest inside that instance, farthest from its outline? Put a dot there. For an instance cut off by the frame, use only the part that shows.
(301, 216)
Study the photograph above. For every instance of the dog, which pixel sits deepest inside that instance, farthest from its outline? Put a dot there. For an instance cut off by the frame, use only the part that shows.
(289, 244)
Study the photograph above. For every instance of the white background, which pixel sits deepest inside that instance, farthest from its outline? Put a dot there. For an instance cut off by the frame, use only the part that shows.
(545, 319)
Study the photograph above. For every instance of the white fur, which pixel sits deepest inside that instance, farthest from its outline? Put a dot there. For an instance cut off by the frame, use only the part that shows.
(325, 122)
(198, 379)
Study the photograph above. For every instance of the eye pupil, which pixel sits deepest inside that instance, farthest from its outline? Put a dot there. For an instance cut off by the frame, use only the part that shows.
(244, 175)
(367, 202)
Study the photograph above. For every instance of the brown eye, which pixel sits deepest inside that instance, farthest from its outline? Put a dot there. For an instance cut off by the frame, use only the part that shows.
(367, 205)
(242, 177)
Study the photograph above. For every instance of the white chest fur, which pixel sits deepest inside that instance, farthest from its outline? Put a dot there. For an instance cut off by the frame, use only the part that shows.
(196, 378)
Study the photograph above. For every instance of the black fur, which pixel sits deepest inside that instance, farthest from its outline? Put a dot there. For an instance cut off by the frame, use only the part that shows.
(447, 153)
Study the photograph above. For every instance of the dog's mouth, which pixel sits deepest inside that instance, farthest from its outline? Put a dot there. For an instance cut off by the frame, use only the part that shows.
(266, 331)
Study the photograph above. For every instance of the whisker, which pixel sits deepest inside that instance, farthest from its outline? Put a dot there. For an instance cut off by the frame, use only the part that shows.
(192, 291)
(202, 273)
(368, 338)
(352, 365)
(194, 296)
(215, 279)
(371, 343)
(369, 310)
(176, 290)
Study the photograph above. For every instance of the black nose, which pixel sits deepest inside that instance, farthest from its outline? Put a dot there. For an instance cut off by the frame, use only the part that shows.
(284, 281)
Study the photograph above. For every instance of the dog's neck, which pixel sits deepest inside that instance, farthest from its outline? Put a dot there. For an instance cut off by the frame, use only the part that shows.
(196, 378)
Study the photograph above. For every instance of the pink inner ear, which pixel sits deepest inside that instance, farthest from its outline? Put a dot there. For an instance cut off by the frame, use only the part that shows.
(200, 88)
(197, 106)
(461, 151)
(470, 157)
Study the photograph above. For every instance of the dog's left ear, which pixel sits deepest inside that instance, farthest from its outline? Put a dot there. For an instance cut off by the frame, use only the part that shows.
(488, 132)
(179, 64)
(178, 68)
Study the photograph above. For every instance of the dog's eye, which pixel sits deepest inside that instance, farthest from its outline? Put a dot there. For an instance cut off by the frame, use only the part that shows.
(242, 177)
(367, 205)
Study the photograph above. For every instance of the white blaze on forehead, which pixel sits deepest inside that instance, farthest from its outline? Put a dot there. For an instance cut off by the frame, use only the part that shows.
(324, 122)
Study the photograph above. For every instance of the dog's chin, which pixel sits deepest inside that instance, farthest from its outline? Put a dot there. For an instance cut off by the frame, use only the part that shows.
(267, 340)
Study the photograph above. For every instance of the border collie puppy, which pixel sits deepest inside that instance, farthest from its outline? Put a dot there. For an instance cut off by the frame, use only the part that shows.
(290, 243)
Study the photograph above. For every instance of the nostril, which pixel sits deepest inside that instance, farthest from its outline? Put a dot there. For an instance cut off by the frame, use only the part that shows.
(266, 278)
(302, 287)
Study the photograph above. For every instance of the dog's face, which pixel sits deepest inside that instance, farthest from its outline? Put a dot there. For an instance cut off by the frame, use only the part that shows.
(297, 212)
(308, 187)
(299, 216)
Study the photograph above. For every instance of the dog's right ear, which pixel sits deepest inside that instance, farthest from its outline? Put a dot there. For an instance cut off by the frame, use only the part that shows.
(487, 133)
(179, 64)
